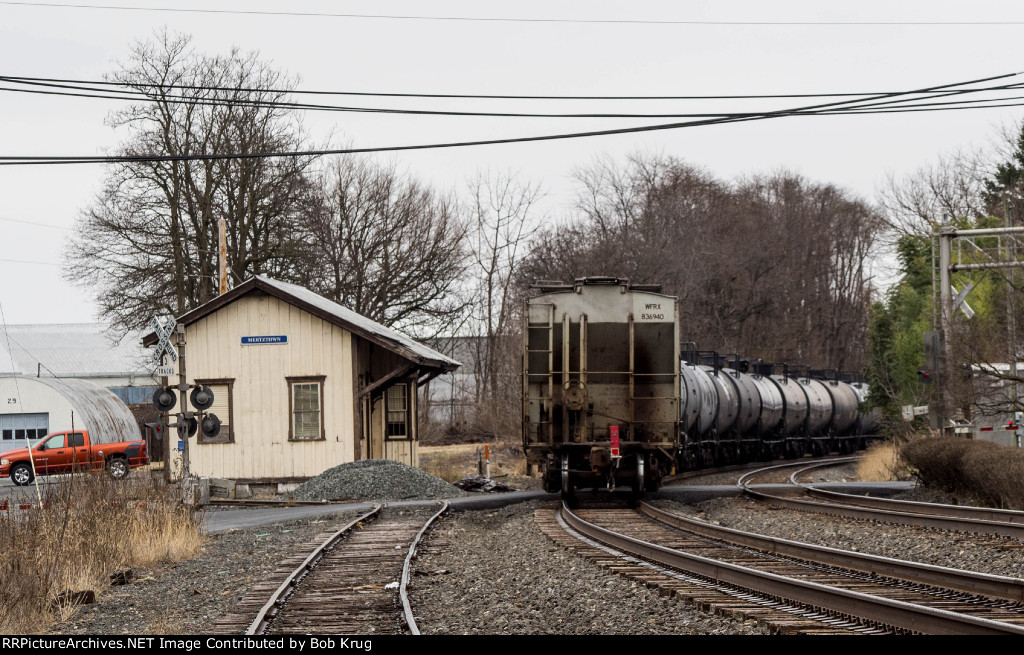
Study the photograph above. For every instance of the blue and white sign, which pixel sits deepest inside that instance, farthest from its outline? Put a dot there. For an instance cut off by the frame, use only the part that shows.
(265, 341)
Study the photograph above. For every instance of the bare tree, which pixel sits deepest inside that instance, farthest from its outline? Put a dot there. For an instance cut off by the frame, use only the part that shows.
(951, 190)
(148, 241)
(503, 221)
(386, 246)
(771, 266)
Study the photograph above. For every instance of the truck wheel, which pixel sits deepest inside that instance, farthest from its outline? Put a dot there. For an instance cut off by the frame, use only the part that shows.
(118, 468)
(21, 474)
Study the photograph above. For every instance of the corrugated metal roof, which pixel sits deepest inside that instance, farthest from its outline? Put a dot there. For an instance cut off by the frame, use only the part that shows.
(97, 410)
(107, 419)
(71, 350)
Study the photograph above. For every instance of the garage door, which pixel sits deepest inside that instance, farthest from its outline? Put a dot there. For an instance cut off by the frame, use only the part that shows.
(15, 428)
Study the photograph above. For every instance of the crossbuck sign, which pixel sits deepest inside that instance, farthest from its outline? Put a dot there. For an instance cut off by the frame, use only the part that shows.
(163, 335)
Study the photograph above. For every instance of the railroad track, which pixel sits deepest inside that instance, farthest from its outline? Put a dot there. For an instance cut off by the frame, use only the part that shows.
(956, 518)
(1013, 517)
(354, 581)
(781, 583)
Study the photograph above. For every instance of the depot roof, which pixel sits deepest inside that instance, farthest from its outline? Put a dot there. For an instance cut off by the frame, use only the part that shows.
(328, 311)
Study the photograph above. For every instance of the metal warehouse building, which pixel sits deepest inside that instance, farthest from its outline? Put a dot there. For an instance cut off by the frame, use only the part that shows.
(62, 368)
(301, 384)
(34, 407)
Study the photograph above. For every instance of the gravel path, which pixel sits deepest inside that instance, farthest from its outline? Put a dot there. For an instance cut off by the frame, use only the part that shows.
(186, 598)
(987, 555)
(500, 575)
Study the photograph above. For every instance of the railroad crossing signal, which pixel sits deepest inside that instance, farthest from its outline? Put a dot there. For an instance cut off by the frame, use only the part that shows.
(211, 425)
(187, 423)
(163, 334)
(201, 397)
(924, 375)
(164, 399)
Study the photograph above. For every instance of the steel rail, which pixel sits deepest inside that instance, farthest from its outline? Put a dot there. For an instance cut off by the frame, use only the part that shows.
(952, 523)
(899, 614)
(410, 620)
(668, 480)
(995, 586)
(743, 481)
(932, 509)
(267, 612)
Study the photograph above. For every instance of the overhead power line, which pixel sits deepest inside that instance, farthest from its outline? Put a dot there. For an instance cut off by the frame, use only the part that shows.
(513, 19)
(190, 87)
(34, 223)
(25, 261)
(864, 105)
(71, 90)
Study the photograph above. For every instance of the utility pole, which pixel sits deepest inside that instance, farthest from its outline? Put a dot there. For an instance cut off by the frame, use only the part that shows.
(945, 320)
(165, 433)
(222, 229)
(185, 414)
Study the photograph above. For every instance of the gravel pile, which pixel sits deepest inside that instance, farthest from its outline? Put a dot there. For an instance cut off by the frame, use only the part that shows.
(374, 479)
(496, 573)
(984, 554)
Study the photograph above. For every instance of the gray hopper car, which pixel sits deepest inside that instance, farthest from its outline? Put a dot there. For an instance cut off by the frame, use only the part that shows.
(601, 384)
(609, 402)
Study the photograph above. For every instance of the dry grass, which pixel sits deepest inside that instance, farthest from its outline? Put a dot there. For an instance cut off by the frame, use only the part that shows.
(88, 527)
(881, 463)
(978, 471)
(451, 463)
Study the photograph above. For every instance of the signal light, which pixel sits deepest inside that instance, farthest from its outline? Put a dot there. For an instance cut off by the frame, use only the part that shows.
(187, 426)
(201, 397)
(924, 375)
(211, 426)
(164, 399)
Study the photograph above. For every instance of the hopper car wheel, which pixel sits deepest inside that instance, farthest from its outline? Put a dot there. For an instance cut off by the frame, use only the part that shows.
(567, 490)
(638, 480)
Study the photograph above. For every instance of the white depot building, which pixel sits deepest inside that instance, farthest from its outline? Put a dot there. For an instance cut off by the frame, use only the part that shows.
(301, 384)
(53, 375)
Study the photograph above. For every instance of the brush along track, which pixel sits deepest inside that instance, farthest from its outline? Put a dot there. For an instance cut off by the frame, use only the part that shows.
(779, 591)
(1001, 523)
(353, 581)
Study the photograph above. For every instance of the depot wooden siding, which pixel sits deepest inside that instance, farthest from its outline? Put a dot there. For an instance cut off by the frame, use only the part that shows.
(261, 449)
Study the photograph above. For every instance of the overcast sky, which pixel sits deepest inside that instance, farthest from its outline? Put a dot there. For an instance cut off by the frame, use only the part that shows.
(505, 57)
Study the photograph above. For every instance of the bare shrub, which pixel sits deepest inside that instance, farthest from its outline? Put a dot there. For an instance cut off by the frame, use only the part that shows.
(85, 528)
(981, 471)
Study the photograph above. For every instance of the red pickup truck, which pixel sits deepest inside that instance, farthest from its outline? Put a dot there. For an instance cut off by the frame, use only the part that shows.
(62, 452)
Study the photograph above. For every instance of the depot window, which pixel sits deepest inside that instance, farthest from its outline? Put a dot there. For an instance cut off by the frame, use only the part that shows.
(398, 412)
(305, 409)
(222, 408)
